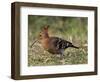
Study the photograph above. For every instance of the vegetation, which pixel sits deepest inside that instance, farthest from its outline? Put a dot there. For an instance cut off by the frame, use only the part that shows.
(73, 29)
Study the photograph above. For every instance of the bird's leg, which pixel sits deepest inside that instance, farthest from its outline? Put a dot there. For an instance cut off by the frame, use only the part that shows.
(62, 54)
(62, 60)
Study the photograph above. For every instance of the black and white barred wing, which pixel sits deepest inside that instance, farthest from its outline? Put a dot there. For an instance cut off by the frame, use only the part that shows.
(60, 43)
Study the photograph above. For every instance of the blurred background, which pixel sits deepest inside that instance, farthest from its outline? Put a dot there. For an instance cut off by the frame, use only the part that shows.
(73, 29)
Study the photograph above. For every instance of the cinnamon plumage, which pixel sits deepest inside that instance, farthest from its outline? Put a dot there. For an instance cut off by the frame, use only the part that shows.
(54, 45)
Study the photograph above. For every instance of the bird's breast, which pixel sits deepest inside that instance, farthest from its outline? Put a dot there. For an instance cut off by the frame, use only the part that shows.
(45, 43)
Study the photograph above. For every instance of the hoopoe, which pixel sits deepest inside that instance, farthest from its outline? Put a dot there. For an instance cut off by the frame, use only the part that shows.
(54, 45)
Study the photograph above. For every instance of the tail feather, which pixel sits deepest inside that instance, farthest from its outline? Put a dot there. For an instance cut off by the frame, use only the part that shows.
(75, 47)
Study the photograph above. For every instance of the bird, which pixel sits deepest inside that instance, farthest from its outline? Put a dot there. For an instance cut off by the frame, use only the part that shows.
(52, 44)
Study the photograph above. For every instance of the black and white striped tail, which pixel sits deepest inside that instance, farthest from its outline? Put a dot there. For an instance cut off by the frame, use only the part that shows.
(63, 44)
(75, 47)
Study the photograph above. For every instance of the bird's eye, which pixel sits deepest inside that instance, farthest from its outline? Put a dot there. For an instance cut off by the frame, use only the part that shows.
(39, 34)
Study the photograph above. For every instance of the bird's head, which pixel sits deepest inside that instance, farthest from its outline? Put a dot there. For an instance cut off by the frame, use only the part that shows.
(44, 32)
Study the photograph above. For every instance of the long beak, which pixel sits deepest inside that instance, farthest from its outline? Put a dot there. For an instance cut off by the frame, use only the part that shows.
(33, 43)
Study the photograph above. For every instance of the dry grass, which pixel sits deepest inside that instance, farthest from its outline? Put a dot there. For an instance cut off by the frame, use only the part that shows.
(38, 56)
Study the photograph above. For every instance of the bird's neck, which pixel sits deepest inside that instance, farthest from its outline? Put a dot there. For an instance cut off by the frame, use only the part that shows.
(45, 41)
(46, 36)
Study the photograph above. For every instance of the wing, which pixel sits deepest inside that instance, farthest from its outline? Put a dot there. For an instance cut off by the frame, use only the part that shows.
(59, 43)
